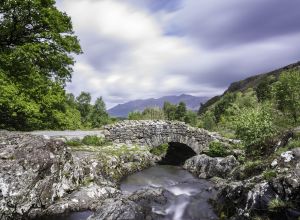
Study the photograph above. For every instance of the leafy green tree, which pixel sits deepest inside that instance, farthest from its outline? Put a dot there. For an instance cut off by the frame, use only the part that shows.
(135, 116)
(180, 111)
(287, 93)
(169, 110)
(208, 120)
(264, 89)
(84, 106)
(191, 118)
(254, 125)
(153, 114)
(222, 105)
(36, 47)
(99, 116)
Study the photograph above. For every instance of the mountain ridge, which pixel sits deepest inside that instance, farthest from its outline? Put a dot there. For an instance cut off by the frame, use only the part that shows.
(122, 110)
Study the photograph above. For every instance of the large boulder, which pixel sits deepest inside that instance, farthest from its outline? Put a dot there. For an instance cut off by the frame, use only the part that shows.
(206, 167)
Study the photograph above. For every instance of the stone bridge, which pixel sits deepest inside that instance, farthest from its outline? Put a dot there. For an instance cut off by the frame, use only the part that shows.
(153, 133)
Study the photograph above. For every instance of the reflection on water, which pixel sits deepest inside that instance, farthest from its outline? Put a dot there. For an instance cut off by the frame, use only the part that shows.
(187, 195)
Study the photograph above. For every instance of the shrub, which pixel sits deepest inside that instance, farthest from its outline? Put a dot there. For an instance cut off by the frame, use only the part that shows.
(160, 150)
(217, 149)
(74, 142)
(254, 125)
(252, 168)
(276, 205)
(94, 140)
(269, 175)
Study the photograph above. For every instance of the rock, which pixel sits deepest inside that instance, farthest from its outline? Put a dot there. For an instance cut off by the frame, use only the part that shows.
(41, 176)
(118, 209)
(251, 197)
(207, 167)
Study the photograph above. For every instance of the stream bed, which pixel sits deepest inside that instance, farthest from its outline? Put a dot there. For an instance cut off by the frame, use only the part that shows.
(187, 196)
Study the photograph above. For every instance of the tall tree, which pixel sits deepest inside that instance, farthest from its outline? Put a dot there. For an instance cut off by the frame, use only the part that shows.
(99, 116)
(84, 106)
(180, 111)
(287, 93)
(36, 47)
(169, 110)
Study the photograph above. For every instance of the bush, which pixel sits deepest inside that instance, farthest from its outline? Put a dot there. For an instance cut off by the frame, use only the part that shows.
(94, 140)
(254, 126)
(160, 150)
(73, 142)
(269, 175)
(217, 149)
(276, 205)
(252, 168)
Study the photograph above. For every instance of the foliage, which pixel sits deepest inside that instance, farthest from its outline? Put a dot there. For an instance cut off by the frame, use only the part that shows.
(207, 121)
(147, 114)
(160, 150)
(73, 142)
(98, 115)
(276, 205)
(287, 93)
(264, 89)
(180, 111)
(191, 118)
(269, 174)
(222, 105)
(36, 46)
(169, 110)
(253, 126)
(217, 149)
(253, 168)
(94, 140)
(84, 106)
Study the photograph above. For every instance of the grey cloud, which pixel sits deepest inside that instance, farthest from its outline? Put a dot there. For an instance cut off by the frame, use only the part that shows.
(228, 23)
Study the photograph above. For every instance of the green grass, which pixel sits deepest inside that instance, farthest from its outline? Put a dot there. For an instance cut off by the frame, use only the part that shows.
(73, 142)
(276, 205)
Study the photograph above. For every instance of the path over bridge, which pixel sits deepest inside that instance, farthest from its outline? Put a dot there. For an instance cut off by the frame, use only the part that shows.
(156, 132)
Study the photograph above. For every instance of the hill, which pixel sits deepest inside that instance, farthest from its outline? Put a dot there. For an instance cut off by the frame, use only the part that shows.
(122, 110)
(250, 82)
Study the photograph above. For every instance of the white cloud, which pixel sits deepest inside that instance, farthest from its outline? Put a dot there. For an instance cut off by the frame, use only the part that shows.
(128, 55)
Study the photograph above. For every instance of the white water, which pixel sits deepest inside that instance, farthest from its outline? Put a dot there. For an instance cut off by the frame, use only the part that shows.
(187, 195)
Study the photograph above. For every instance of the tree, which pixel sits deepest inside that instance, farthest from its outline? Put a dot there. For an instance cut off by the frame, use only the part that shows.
(99, 116)
(36, 47)
(169, 110)
(287, 93)
(191, 118)
(180, 111)
(84, 106)
(264, 89)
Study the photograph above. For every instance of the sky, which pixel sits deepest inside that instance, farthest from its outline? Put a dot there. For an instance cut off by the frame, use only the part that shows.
(137, 49)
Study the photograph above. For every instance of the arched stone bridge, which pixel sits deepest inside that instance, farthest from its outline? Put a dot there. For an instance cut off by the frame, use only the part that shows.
(153, 133)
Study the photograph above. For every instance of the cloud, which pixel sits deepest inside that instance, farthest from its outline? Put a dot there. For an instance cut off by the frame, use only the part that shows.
(141, 48)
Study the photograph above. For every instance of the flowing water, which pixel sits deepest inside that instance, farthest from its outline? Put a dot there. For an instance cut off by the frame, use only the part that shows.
(187, 195)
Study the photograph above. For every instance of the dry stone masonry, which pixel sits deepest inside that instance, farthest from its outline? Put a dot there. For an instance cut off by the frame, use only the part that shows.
(153, 133)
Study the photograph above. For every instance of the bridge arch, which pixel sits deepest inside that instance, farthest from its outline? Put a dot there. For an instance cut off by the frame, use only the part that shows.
(153, 133)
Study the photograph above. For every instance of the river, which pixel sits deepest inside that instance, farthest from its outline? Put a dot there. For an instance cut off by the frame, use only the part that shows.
(187, 197)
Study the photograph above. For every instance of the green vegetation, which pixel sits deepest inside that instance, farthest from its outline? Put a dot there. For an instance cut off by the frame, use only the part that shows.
(217, 149)
(276, 205)
(37, 45)
(89, 140)
(160, 150)
(168, 112)
(269, 174)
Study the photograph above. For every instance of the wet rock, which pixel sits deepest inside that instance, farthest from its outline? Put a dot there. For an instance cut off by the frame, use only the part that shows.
(206, 167)
(118, 209)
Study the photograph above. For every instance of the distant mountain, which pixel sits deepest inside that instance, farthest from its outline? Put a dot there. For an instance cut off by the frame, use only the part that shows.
(122, 110)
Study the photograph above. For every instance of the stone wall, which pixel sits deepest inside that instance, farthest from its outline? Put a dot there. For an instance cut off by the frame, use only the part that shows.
(155, 132)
